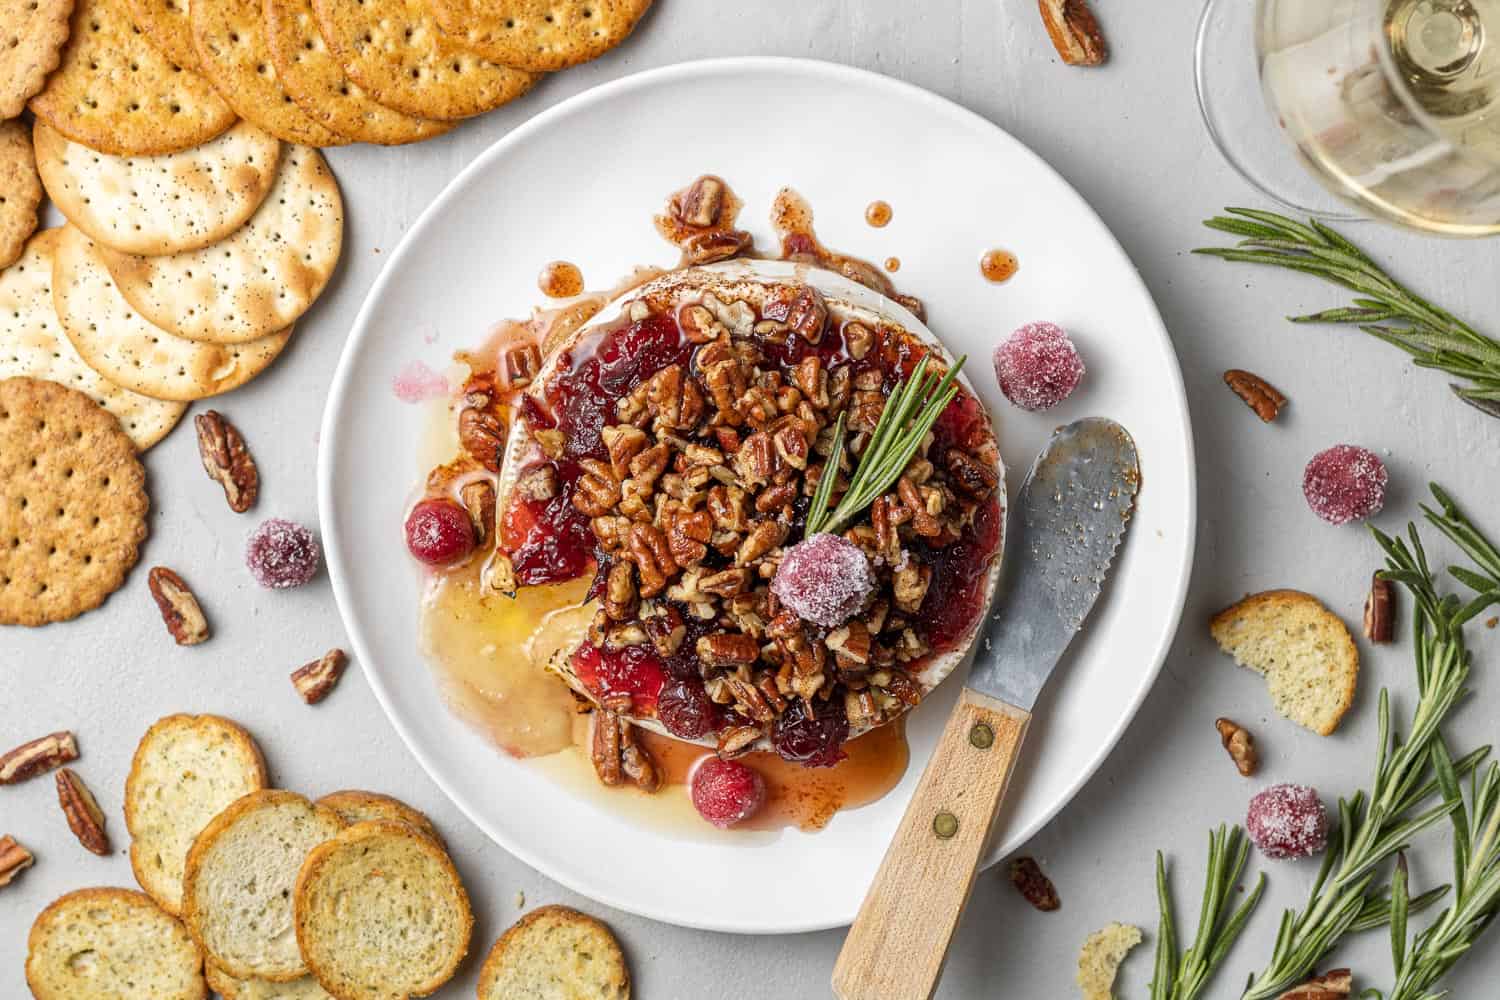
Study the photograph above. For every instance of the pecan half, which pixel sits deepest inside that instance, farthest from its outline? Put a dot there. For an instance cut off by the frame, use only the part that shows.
(481, 433)
(1380, 611)
(82, 811)
(702, 203)
(727, 649)
(1261, 396)
(14, 859)
(1026, 875)
(1330, 986)
(518, 364)
(614, 750)
(736, 741)
(1074, 31)
(180, 610)
(37, 757)
(1239, 744)
(226, 460)
(314, 680)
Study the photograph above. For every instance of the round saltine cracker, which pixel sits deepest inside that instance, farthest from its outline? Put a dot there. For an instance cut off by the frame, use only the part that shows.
(118, 343)
(32, 35)
(555, 951)
(32, 343)
(317, 82)
(380, 912)
(230, 36)
(111, 944)
(20, 190)
(116, 93)
(539, 35)
(397, 52)
(159, 204)
(72, 503)
(260, 279)
(165, 23)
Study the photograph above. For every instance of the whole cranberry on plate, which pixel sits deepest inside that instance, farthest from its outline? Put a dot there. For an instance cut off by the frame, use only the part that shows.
(439, 532)
(282, 554)
(726, 792)
(1345, 483)
(1288, 821)
(1038, 366)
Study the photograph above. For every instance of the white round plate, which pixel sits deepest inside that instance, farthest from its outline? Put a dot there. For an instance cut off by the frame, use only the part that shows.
(580, 182)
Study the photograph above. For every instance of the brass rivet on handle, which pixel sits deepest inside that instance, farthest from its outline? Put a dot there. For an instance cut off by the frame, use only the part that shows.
(982, 736)
(945, 825)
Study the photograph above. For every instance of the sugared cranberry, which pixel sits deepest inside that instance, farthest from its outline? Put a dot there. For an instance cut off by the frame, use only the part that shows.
(282, 554)
(1038, 366)
(1288, 821)
(824, 579)
(811, 740)
(685, 709)
(726, 792)
(1345, 483)
(439, 532)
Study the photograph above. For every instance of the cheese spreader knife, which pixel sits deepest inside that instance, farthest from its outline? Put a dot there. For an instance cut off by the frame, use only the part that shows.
(1063, 531)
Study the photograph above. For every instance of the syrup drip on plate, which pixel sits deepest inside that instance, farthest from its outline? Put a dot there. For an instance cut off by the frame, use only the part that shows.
(560, 280)
(999, 266)
(878, 214)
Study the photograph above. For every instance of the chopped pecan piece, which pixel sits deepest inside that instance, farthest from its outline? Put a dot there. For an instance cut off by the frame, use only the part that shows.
(858, 339)
(478, 499)
(652, 555)
(666, 629)
(1026, 875)
(1261, 396)
(180, 610)
(702, 203)
(37, 757)
(1239, 744)
(736, 741)
(14, 859)
(1380, 611)
(620, 599)
(1329, 986)
(519, 363)
(763, 537)
(597, 491)
(623, 442)
(538, 483)
(314, 680)
(715, 245)
(970, 475)
(804, 312)
(481, 433)
(614, 750)
(226, 460)
(82, 812)
(727, 649)
(1074, 31)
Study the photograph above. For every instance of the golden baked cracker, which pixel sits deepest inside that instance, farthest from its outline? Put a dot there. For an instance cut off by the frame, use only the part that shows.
(257, 281)
(165, 24)
(555, 951)
(116, 93)
(32, 343)
(72, 503)
(32, 35)
(539, 35)
(159, 204)
(397, 52)
(230, 37)
(115, 341)
(20, 190)
(111, 944)
(319, 85)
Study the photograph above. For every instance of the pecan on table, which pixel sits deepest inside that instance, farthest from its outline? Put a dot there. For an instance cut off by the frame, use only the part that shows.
(227, 460)
(37, 757)
(1074, 32)
(179, 609)
(82, 812)
(14, 859)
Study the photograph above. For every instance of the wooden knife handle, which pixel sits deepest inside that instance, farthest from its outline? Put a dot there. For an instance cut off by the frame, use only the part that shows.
(899, 941)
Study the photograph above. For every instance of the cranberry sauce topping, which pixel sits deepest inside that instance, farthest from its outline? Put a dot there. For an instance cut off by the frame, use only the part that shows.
(956, 595)
(633, 670)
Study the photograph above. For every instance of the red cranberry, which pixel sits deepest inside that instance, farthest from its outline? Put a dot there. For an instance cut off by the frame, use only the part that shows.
(726, 792)
(1288, 821)
(685, 709)
(823, 579)
(282, 554)
(439, 532)
(634, 670)
(811, 740)
(1345, 483)
(1038, 366)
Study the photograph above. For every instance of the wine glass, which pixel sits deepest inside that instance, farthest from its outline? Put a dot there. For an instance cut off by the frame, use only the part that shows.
(1392, 105)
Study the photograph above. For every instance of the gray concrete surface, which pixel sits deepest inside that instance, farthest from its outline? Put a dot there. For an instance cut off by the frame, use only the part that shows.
(1129, 138)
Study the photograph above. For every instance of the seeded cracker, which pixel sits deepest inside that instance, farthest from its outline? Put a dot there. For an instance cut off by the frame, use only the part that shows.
(539, 35)
(165, 23)
(159, 204)
(260, 279)
(32, 34)
(72, 503)
(114, 340)
(32, 343)
(317, 82)
(115, 93)
(395, 50)
(20, 190)
(232, 49)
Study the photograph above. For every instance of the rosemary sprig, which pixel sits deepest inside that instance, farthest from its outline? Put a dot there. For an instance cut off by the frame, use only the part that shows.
(1375, 826)
(1385, 308)
(1182, 977)
(908, 415)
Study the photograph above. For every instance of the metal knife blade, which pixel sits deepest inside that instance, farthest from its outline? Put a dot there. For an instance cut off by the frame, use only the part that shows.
(1064, 529)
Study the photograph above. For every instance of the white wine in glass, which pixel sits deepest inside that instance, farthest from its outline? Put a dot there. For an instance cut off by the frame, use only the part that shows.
(1393, 104)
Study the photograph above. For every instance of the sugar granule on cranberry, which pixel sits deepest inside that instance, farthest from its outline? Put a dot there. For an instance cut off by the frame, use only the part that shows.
(282, 554)
(824, 579)
(726, 792)
(1288, 821)
(1345, 483)
(1038, 366)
